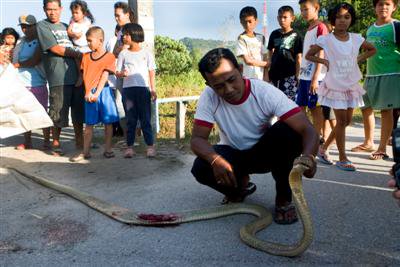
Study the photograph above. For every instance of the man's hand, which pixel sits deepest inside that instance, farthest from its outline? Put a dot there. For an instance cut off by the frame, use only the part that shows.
(308, 161)
(223, 172)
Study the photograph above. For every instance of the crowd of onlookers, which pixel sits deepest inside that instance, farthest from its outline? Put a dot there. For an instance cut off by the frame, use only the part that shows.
(71, 66)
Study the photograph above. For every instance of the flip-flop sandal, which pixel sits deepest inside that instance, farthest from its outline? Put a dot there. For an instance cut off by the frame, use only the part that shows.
(361, 148)
(22, 147)
(57, 151)
(282, 213)
(345, 166)
(80, 157)
(323, 157)
(109, 155)
(378, 156)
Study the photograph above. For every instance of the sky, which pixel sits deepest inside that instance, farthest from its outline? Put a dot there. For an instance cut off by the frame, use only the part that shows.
(207, 19)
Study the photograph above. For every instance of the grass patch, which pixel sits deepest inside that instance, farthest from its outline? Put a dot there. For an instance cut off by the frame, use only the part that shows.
(188, 84)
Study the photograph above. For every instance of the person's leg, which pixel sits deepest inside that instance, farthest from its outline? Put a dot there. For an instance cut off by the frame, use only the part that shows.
(318, 119)
(108, 138)
(129, 95)
(109, 115)
(55, 133)
(46, 138)
(369, 126)
(27, 142)
(87, 140)
(144, 114)
(203, 171)
(78, 113)
(276, 152)
(343, 118)
(386, 131)
(57, 110)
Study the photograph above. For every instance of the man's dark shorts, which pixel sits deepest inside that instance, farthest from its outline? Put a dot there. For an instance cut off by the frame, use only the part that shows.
(61, 98)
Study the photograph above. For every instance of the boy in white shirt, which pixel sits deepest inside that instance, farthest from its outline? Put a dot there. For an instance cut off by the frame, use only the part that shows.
(251, 45)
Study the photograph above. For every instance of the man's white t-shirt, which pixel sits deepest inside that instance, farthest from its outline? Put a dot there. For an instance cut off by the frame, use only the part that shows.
(138, 65)
(242, 124)
(255, 47)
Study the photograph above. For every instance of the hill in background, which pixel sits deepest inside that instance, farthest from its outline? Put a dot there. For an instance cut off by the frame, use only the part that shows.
(203, 46)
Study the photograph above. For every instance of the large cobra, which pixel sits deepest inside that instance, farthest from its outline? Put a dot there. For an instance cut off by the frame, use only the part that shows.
(247, 232)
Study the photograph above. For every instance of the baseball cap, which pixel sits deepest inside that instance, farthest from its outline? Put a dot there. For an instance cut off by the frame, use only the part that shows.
(27, 20)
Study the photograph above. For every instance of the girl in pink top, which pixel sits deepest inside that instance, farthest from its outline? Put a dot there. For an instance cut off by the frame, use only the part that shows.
(340, 89)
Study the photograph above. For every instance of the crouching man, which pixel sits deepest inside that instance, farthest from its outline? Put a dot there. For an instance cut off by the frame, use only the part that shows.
(242, 109)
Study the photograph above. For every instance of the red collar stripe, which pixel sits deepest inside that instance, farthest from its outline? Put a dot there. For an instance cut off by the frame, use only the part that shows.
(246, 93)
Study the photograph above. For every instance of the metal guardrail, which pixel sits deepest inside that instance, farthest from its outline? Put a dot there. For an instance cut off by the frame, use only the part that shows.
(181, 103)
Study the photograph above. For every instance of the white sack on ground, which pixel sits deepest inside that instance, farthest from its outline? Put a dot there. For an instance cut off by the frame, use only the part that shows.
(19, 109)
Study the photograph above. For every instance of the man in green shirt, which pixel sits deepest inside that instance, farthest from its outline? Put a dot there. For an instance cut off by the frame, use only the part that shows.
(61, 73)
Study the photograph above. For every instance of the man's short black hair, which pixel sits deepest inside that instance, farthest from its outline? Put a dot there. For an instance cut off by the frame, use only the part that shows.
(335, 10)
(211, 61)
(45, 2)
(284, 9)
(247, 12)
(135, 31)
(375, 2)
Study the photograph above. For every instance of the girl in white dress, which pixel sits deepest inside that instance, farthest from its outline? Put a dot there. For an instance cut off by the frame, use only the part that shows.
(340, 89)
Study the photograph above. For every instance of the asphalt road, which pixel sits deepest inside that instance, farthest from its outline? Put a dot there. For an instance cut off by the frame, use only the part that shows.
(356, 221)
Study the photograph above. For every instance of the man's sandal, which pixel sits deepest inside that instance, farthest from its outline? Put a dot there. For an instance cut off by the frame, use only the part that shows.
(108, 154)
(248, 190)
(285, 214)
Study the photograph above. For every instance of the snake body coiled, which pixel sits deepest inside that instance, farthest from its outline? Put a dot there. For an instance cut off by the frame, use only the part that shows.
(247, 232)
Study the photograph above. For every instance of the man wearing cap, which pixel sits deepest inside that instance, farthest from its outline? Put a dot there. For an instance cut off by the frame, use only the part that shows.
(27, 59)
(61, 73)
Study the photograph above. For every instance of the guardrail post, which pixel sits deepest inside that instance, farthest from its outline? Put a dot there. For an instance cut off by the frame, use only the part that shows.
(180, 120)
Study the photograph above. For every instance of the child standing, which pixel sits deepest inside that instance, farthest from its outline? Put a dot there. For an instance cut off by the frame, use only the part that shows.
(27, 60)
(9, 38)
(340, 89)
(80, 23)
(99, 99)
(311, 73)
(137, 67)
(251, 45)
(383, 77)
(285, 47)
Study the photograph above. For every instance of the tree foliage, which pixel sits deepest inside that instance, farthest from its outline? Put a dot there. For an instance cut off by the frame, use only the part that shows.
(172, 57)
(364, 10)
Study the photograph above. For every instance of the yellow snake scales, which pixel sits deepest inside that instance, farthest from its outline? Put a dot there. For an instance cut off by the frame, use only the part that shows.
(247, 232)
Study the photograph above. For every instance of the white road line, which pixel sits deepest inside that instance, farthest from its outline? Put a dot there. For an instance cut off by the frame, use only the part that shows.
(354, 185)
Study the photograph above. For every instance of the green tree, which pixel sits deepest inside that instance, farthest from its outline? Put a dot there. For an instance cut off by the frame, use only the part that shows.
(196, 55)
(172, 57)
